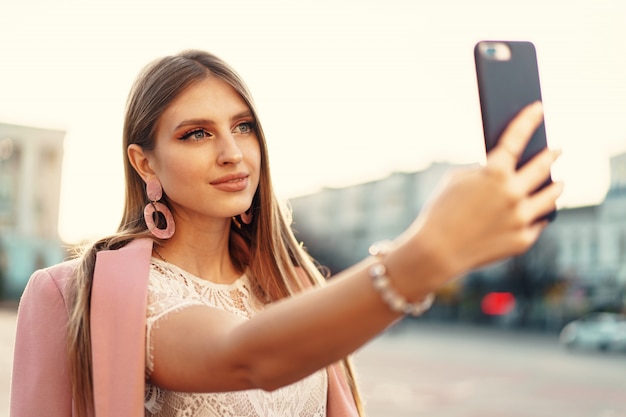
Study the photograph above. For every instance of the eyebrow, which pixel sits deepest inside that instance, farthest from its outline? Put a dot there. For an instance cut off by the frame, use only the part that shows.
(195, 122)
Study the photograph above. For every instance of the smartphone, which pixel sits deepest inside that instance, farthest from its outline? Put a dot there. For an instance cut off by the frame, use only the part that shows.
(508, 79)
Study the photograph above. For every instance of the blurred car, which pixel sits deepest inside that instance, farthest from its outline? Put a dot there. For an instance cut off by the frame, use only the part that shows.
(604, 331)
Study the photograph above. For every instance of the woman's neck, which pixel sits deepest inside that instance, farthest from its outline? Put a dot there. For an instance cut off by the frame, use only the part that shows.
(202, 252)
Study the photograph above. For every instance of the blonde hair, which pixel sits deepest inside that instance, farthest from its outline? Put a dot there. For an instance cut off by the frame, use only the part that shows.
(267, 246)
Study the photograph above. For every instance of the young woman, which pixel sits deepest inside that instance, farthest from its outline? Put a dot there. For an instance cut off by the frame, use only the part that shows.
(205, 266)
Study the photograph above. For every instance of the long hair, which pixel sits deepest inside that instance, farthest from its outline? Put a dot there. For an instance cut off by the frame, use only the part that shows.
(279, 265)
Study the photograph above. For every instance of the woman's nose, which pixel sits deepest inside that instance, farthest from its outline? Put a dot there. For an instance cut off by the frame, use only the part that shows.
(229, 151)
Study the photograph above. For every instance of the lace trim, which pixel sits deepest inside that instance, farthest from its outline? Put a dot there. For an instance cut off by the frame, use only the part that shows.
(171, 289)
(153, 399)
(305, 398)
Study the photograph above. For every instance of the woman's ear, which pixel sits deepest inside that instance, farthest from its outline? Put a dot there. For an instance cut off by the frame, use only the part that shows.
(139, 160)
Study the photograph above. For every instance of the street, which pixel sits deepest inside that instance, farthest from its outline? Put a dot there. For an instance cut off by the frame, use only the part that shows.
(423, 369)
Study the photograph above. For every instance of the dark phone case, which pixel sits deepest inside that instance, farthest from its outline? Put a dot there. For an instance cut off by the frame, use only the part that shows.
(504, 88)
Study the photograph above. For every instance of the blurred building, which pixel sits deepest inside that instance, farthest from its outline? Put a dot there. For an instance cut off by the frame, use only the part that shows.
(585, 246)
(337, 225)
(592, 240)
(30, 185)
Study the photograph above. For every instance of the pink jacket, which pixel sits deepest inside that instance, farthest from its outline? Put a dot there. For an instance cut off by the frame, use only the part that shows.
(40, 381)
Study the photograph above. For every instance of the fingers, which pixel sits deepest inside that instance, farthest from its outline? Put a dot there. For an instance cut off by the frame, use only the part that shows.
(534, 203)
(534, 173)
(543, 201)
(516, 136)
(503, 159)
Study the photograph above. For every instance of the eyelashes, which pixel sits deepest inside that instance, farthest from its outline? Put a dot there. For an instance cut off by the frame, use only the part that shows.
(243, 128)
(196, 134)
(246, 127)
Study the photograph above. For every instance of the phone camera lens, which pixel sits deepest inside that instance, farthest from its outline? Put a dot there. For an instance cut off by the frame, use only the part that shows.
(495, 51)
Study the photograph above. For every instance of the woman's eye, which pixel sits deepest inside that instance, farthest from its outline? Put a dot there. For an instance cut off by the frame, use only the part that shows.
(245, 127)
(197, 134)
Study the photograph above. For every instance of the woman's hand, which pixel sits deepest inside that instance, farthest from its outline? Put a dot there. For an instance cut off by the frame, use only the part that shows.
(481, 214)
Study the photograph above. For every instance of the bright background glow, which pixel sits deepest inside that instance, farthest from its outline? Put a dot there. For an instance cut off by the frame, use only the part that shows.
(348, 91)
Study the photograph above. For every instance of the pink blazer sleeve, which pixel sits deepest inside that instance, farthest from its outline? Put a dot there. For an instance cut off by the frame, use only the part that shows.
(40, 383)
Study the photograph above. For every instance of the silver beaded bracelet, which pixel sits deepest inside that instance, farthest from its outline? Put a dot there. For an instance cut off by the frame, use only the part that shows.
(390, 296)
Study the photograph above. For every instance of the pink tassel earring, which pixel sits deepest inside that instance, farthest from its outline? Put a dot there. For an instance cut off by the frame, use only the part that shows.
(155, 192)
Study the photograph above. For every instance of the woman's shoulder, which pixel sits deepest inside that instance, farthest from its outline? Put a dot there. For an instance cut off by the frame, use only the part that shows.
(47, 286)
(61, 271)
(63, 268)
(55, 274)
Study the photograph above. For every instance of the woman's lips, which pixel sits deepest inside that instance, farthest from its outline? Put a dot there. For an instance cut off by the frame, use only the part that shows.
(231, 183)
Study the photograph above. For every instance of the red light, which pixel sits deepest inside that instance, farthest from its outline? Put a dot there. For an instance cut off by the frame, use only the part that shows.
(498, 303)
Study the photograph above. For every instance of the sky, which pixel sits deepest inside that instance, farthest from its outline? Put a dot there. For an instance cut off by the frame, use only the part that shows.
(347, 91)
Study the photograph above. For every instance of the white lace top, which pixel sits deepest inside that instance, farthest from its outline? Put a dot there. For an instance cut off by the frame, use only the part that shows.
(171, 289)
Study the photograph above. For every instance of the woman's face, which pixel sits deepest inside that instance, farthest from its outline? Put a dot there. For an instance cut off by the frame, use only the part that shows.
(207, 154)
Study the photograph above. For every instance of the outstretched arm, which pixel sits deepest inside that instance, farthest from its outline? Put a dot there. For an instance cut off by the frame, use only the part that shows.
(478, 216)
